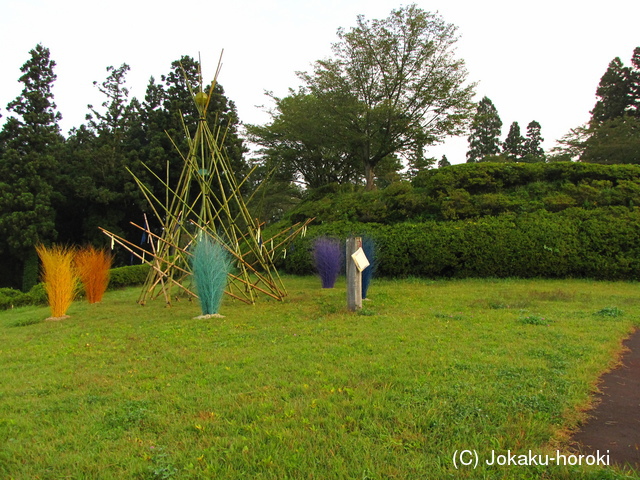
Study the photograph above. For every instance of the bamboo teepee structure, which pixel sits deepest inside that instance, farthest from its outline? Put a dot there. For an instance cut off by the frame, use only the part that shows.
(206, 201)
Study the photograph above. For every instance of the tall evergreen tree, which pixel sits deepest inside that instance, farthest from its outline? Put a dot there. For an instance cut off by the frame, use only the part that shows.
(485, 132)
(613, 141)
(104, 194)
(444, 162)
(169, 102)
(614, 93)
(513, 146)
(533, 151)
(634, 83)
(31, 141)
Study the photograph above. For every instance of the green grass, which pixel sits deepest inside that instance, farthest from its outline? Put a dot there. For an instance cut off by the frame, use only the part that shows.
(305, 390)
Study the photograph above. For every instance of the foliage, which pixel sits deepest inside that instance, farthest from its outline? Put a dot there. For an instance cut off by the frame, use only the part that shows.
(532, 149)
(513, 145)
(611, 136)
(614, 93)
(476, 190)
(392, 87)
(304, 389)
(444, 162)
(534, 320)
(599, 244)
(486, 126)
(93, 267)
(613, 141)
(305, 143)
(59, 276)
(612, 312)
(327, 256)
(128, 276)
(210, 265)
(30, 143)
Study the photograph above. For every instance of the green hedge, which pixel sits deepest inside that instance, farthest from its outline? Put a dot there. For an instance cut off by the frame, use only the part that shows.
(128, 276)
(476, 190)
(599, 244)
(10, 298)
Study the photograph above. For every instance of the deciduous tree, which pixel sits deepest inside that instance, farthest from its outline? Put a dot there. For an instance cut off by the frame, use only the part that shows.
(395, 85)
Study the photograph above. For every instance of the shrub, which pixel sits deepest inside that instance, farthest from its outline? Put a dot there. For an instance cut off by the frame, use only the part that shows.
(612, 312)
(128, 276)
(10, 298)
(93, 269)
(599, 244)
(37, 295)
(327, 255)
(59, 277)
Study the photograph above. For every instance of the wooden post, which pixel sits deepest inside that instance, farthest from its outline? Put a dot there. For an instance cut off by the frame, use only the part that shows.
(354, 276)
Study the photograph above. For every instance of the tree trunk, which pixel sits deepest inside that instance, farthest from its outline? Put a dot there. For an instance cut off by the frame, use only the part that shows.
(369, 177)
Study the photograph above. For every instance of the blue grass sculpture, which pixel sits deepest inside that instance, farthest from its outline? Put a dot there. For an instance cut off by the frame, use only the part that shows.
(369, 248)
(327, 254)
(210, 265)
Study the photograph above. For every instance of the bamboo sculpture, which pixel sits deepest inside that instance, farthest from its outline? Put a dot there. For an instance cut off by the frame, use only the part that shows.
(207, 200)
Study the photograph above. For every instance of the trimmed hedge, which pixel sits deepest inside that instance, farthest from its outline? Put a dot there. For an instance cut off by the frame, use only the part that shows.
(128, 276)
(10, 298)
(599, 244)
(476, 190)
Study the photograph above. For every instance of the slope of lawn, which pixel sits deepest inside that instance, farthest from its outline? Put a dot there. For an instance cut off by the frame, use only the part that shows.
(302, 389)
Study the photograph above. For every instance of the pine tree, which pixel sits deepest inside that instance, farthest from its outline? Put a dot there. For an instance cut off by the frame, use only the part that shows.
(31, 141)
(485, 132)
(444, 162)
(634, 83)
(533, 151)
(614, 93)
(102, 193)
(168, 103)
(513, 145)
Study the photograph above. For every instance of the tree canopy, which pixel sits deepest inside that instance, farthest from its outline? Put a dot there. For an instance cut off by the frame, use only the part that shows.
(486, 128)
(29, 165)
(393, 86)
(611, 135)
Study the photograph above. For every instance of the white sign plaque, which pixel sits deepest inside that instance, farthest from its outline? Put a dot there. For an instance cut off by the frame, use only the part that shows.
(360, 259)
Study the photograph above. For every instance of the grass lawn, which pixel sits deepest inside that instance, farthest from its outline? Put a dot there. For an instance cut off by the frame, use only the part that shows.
(302, 389)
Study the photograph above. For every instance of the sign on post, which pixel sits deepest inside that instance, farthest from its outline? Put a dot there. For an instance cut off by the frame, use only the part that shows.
(356, 262)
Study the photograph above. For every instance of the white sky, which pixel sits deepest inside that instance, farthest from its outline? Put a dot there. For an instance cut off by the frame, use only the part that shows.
(535, 60)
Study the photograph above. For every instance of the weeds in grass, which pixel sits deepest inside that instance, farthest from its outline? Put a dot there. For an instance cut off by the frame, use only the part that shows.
(611, 312)
(93, 267)
(534, 320)
(59, 277)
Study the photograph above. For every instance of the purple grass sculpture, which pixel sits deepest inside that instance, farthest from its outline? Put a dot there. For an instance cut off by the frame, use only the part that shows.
(327, 253)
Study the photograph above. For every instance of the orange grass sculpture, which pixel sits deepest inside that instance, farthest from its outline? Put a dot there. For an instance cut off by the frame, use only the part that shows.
(93, 267)
(59, 277)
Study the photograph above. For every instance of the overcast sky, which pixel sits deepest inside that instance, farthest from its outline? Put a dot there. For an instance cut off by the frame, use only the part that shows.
(535, 60)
